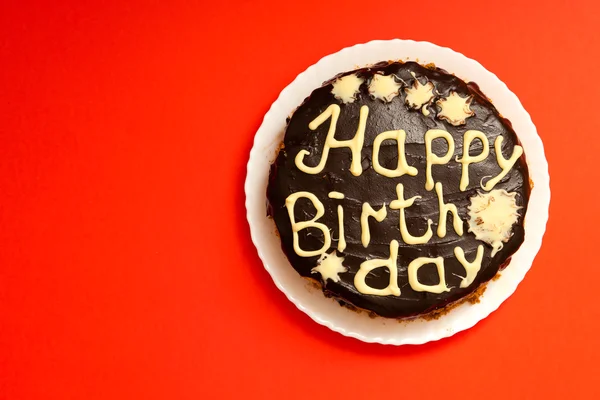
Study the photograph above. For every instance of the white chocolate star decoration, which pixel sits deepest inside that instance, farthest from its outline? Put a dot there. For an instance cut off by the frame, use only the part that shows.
(455, 109)
(329, 266)
(384, 87)
(346, 88)
(418, 96)
(491, 217)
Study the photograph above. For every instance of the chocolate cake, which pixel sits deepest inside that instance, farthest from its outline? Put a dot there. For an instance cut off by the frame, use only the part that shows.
(399, 188)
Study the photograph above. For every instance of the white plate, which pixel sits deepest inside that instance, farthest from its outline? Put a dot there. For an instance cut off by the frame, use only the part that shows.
(311, 301)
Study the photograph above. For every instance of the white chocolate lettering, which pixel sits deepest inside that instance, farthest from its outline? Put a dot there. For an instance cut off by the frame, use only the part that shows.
(342, 241)
(368, 266)
(355, 144)
(413, 280)
(340, 210)
(368, 211)
(431, 157)
(290, 203)
(401, 204)
(472, 268)
(467, 159)
(402, 168)
(444, 210)
(505, 164)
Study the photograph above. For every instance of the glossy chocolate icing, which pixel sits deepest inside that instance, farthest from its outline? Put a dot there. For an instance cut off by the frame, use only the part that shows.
(286, 178)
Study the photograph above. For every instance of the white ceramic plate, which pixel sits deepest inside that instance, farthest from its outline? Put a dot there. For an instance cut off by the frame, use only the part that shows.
(311, 301)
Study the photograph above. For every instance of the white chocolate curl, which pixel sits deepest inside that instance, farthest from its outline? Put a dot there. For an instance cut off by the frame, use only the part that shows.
(346, 88)
(491, 217)
(419, 95)
(330, 266)
(455, 109)
(384, 87)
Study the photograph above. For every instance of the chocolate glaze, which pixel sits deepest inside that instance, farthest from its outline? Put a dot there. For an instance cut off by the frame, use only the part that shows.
(286, 178)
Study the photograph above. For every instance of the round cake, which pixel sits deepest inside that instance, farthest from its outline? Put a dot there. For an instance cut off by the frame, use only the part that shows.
(399, 189)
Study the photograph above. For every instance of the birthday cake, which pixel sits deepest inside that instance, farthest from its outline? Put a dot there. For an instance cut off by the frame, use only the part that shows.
(399, 189)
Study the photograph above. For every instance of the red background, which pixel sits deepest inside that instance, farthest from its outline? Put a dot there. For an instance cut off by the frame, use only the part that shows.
(126, 267)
